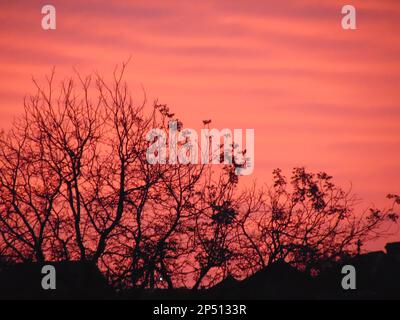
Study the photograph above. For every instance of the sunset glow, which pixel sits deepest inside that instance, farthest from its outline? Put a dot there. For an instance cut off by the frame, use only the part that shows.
(316, 95)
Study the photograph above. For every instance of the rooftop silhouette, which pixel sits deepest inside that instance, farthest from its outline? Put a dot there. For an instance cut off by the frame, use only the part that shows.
(378, 277)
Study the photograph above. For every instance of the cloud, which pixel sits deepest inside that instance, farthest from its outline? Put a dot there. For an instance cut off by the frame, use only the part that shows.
(316, 94)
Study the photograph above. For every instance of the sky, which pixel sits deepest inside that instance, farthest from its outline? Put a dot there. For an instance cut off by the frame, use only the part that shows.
(317, 95)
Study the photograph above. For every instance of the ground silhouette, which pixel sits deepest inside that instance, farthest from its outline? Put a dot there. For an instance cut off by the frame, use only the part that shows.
(378, 277)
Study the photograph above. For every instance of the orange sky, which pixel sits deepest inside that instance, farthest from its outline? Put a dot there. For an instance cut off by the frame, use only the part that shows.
(316, 95)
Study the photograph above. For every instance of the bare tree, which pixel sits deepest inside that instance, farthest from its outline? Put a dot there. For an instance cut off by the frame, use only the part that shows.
(75, 184)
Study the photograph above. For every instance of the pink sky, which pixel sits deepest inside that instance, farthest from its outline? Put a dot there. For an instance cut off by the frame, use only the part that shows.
(316, 95)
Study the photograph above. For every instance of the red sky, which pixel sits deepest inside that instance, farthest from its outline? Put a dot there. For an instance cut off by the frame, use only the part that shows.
(316, 95)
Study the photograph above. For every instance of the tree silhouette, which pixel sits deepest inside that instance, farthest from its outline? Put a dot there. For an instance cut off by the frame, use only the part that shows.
(75, 184)
(306, 222)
